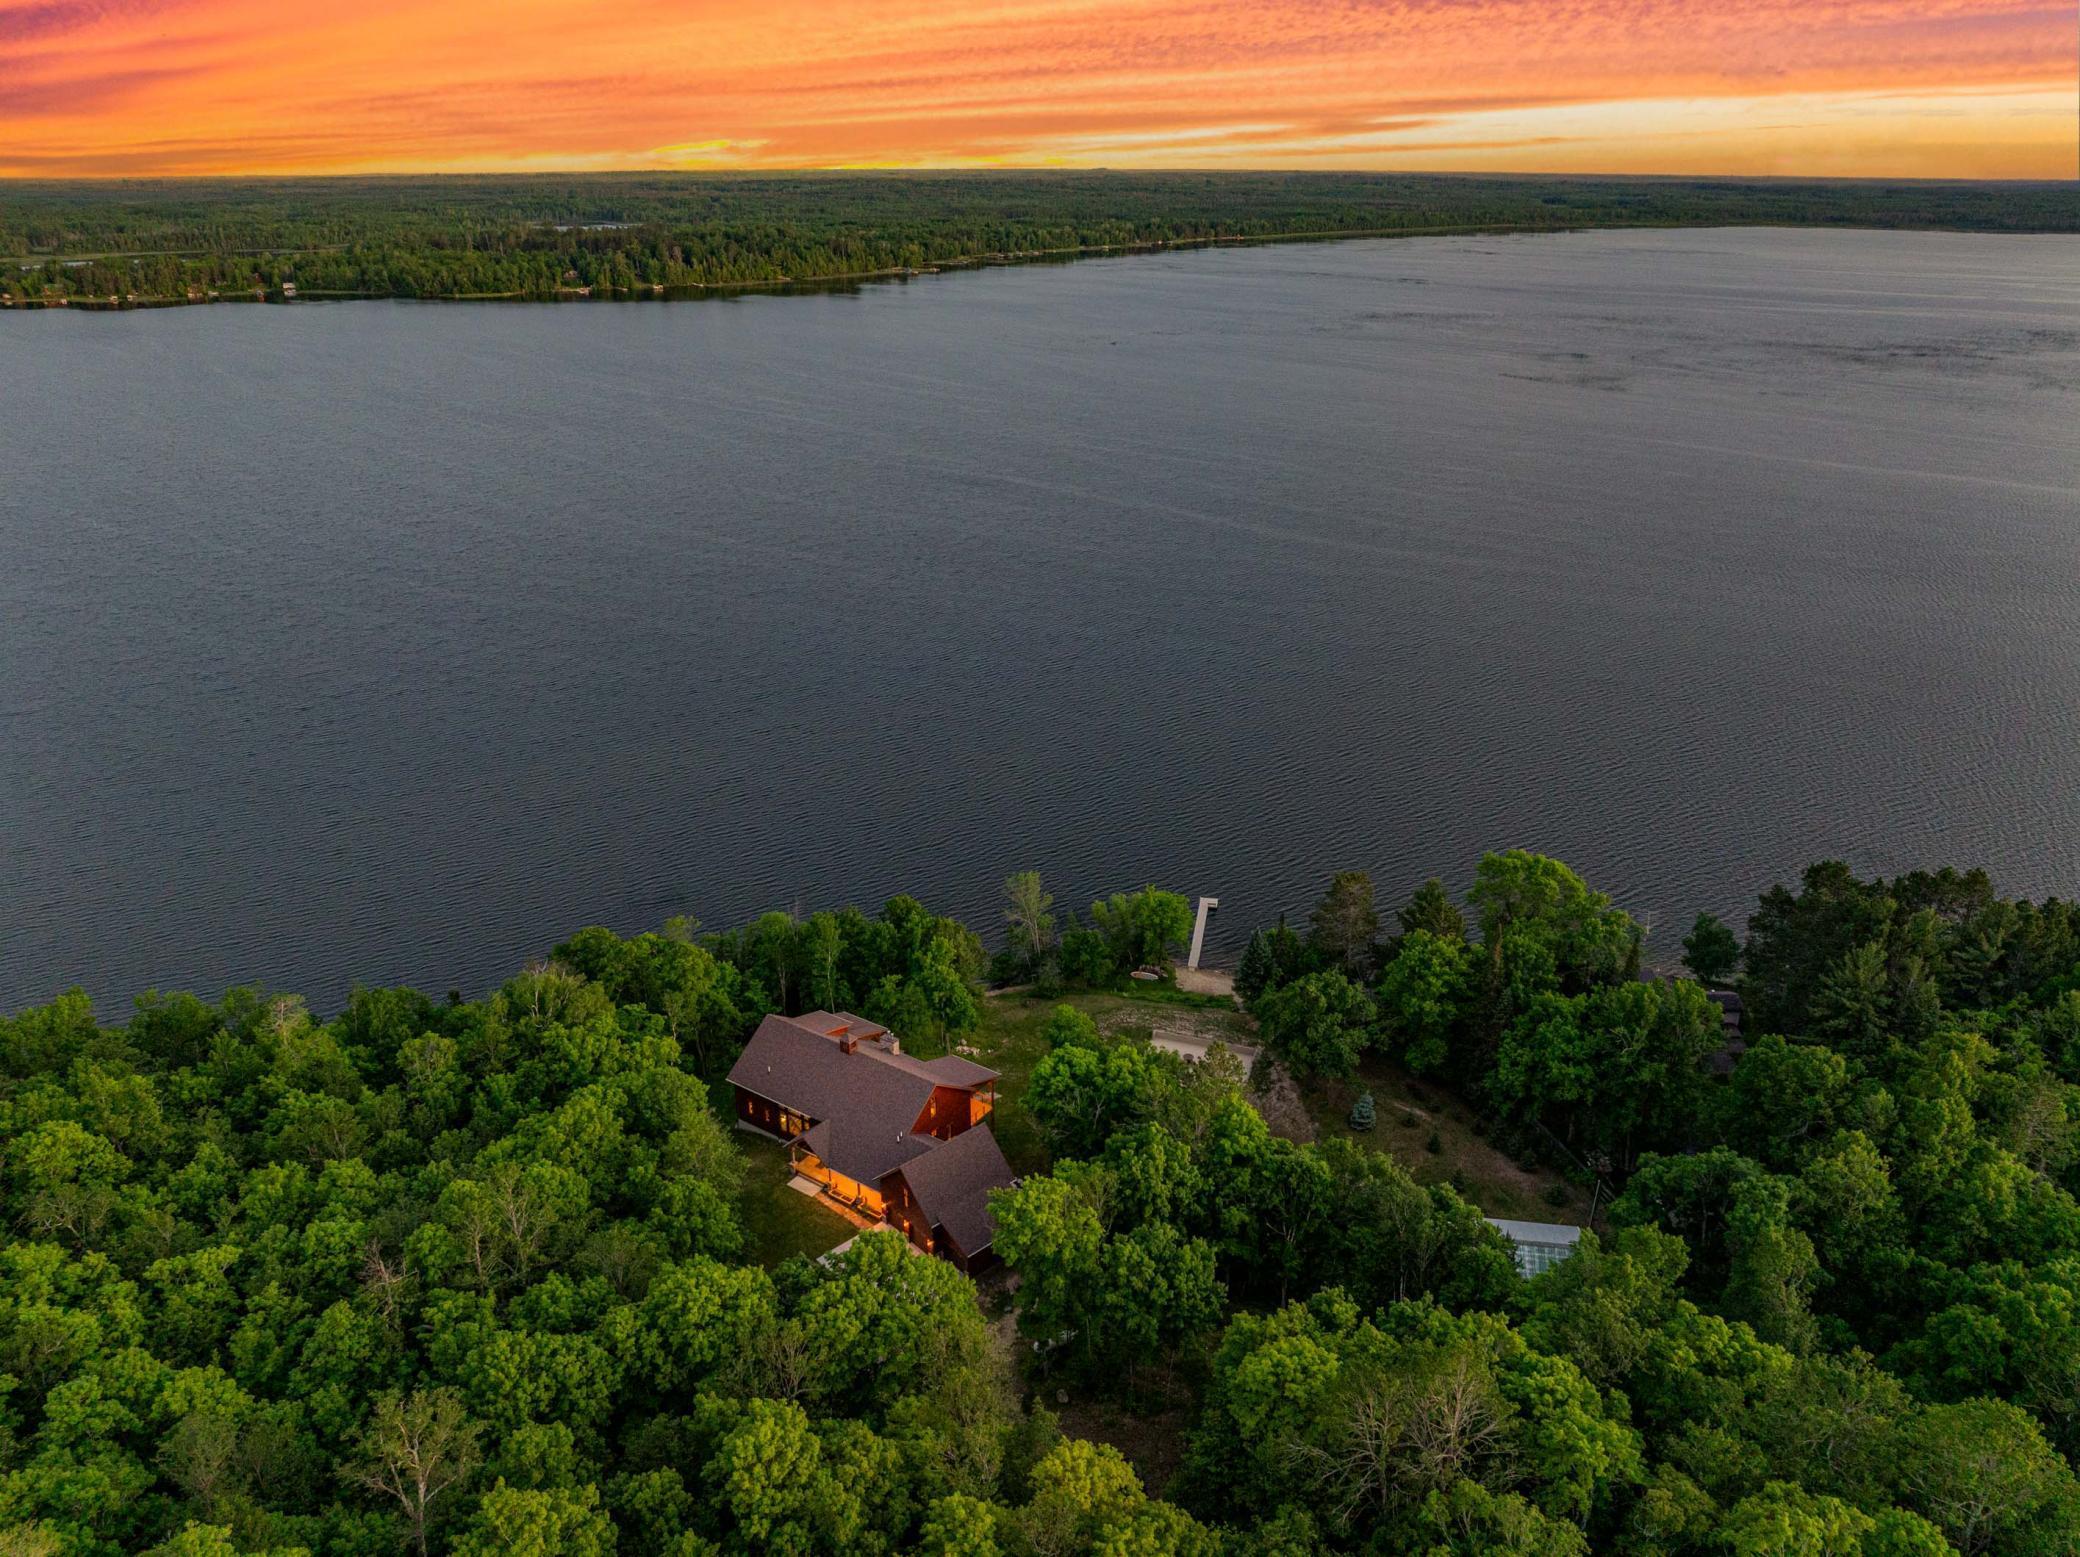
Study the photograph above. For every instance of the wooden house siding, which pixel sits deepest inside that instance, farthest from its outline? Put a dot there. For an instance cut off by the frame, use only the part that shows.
(950, 1111)
(906, 1215)
(775, 1119)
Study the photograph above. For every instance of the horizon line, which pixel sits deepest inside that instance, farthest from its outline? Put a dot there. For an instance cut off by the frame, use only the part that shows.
(963, 170)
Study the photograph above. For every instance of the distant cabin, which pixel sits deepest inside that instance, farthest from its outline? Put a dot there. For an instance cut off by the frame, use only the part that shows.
(886, 1134)
(1538, 1246)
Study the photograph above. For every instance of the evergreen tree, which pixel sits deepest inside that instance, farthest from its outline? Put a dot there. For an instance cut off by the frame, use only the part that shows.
(1345, 924)
(1253, 973)
(1432, 909)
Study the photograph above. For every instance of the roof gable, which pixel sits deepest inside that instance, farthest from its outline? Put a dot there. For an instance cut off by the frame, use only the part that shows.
(866, 1144)
(951, 1184)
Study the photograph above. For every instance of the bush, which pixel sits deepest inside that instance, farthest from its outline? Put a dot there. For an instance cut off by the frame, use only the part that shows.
(1085, 959)
(1408, 1121)
(1434, 1145)
(1557, 1195)
(1047, 978)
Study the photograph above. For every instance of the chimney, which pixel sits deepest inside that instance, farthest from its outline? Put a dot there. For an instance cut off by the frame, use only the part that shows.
(848, 1043)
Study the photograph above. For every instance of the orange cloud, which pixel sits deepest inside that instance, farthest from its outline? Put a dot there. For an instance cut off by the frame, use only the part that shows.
(1928, 87)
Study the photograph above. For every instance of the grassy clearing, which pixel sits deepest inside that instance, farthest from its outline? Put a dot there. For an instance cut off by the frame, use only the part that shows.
(777, 1221)
(1411, 1112)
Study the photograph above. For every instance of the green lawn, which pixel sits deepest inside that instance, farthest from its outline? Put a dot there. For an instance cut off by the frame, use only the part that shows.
(1409, 1112)
(777, 1221)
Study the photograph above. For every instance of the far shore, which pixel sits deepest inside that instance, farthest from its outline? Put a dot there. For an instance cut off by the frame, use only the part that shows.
(847, 280)
(694, 290)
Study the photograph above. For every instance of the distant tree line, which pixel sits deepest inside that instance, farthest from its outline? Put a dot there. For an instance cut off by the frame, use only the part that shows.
(631, 234)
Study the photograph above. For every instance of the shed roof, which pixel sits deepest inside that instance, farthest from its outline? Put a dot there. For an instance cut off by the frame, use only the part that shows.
(1536, 1232)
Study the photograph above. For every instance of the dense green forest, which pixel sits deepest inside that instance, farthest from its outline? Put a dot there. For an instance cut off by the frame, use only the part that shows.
(634, 234)
(476, 1276)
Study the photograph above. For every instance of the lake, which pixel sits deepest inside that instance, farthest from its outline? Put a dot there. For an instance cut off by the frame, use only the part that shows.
(390, 642)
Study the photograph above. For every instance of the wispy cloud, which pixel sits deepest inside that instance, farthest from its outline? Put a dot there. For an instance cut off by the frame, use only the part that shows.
(251, 85)
(62, 18)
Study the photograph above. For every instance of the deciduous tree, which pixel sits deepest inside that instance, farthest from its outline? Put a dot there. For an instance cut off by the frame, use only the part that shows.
(416, 1448)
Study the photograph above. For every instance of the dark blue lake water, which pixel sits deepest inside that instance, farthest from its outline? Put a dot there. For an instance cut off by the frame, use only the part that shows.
(389, 643)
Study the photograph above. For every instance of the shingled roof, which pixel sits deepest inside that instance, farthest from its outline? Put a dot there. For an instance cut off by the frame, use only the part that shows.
(875, 1041)
(950, 1070)
(801, 1068)
(802, 1051)
(951, 1184)
(865, 1142)
(864, 1102)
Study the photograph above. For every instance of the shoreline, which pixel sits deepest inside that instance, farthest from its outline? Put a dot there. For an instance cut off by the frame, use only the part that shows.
(697, 291)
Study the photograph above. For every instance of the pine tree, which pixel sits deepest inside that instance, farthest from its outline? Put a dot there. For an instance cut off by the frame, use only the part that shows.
(1345, 924)
(1290, 957)
(1363, 1115)
(1253, 973)
(1432, 909)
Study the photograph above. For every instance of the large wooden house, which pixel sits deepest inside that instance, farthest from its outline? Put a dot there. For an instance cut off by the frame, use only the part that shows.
(895, 1137)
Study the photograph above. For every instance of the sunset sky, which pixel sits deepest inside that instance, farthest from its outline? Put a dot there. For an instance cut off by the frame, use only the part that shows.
(1964, 88)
